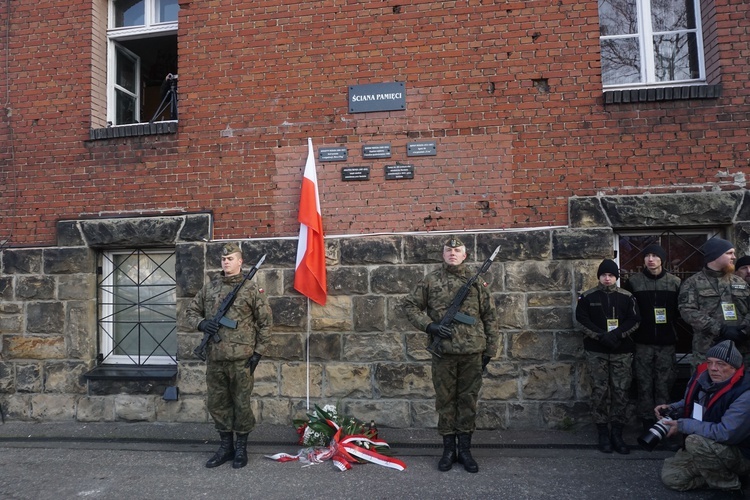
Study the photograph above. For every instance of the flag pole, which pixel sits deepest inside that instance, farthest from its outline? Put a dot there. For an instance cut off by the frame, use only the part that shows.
(307, 361)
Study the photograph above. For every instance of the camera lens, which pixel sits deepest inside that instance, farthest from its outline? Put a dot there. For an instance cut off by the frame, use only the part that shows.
(651, 438)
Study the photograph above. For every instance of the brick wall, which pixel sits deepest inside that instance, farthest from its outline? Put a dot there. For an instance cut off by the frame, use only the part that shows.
(510, 92)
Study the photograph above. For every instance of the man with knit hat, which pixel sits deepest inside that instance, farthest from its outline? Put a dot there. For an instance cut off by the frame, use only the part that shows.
(742, 268)
(656, 292)
(714, 416)
(715, 302)
(607, 315)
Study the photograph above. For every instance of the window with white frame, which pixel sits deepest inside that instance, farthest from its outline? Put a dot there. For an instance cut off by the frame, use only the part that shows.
(138, 307)
(650, 43)
(142, 61)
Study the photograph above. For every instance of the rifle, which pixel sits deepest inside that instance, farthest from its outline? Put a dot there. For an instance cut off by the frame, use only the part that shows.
(220, 316)
(453, 312)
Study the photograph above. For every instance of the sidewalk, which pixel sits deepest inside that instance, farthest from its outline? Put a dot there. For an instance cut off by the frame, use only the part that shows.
(165, 460)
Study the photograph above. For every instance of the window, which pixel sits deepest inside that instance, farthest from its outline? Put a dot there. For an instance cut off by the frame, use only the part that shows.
(142, 61)
(650, 43)
(683, 260)
(138, 308)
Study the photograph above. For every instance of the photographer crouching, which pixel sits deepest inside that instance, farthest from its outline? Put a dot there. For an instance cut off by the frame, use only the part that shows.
(714, 416)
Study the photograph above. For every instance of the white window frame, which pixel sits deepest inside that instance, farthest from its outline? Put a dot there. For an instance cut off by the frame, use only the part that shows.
(106, 316)
(114, 35)
(645, 37)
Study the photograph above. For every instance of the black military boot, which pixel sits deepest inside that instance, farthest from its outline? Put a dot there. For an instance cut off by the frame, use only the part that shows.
(617, 442)
(464, 453)
(449, 453)
(225, 451)
(240, 451)
(605, 445)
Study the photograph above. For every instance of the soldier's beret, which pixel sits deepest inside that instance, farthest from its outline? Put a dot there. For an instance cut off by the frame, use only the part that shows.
(454, 243)
(230, 248)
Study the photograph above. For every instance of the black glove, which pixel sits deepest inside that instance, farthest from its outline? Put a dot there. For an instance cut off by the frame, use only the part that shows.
(485, 361)
(733, 333)
(610, 340)
(441, 331)
(252, 363)
(208, 326)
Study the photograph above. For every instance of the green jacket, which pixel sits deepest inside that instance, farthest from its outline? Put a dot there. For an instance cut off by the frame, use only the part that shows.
(431, 299)
(700, 299)
(250, 309)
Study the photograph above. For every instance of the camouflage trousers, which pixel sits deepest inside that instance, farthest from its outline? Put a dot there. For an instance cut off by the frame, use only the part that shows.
(705, 463)
(229, 385)
(654, 374)
(457, 379)
(611, 375)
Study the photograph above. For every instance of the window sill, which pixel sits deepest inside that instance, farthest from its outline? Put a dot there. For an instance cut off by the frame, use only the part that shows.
(124, 372)
(134, 130)
(630, 96)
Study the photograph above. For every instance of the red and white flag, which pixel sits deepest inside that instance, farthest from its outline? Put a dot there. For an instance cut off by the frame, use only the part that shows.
(310, 270)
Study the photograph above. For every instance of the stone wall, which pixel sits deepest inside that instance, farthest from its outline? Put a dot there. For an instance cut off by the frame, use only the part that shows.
(363, 354)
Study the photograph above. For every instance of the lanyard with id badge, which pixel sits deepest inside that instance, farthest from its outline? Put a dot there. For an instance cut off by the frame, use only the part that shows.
(729, 311)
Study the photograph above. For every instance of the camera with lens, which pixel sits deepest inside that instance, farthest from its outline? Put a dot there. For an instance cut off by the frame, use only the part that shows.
(652, 437)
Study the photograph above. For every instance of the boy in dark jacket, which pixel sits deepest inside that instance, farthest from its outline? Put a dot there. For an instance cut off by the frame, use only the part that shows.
(607, 316)
(656, 292)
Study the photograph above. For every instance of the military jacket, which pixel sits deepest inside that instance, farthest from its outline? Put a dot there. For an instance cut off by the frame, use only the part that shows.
(655, 293)
(600, 304)
(700, 302)
(250, 309)
(432, 297)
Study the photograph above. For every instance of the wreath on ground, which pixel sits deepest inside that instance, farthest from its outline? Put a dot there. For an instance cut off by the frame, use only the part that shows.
(327, 434)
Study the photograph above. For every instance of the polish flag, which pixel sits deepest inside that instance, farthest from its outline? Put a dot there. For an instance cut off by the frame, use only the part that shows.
(310, 270)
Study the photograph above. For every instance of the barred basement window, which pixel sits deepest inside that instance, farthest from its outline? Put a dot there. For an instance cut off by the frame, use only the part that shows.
(683, 260)
(138, 308)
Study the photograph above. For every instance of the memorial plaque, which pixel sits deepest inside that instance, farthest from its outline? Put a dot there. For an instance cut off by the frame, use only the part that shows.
(396, 172)
(377, 97)
(421, 149)
(332, 154)
(355, 174)
(376, 151)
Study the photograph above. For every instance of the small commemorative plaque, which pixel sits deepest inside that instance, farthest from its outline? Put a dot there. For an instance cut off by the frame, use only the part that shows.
(396, 172)
(421, 149)
(355, 174)
(332, 154)
(376, 151)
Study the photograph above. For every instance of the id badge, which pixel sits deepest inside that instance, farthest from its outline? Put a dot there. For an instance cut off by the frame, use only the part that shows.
(697, 412)
(612, 324)
(660, 315)
(730, 313)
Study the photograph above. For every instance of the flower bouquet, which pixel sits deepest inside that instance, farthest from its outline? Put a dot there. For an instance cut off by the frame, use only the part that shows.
(345, 440)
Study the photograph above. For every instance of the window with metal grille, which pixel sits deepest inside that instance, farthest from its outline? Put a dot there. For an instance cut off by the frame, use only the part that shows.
(683, 260)
(138, 308)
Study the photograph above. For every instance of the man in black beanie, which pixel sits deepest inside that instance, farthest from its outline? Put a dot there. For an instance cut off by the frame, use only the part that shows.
(742, 268)
(713, 416)
(715, 302)
(656, 292)
(607, 315)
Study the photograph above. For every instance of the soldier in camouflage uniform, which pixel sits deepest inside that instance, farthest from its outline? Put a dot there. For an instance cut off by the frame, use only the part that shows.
(466, 349)
(715, 302)
(231, 363)
(714, 418)
(656, 291)
(607, 316)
